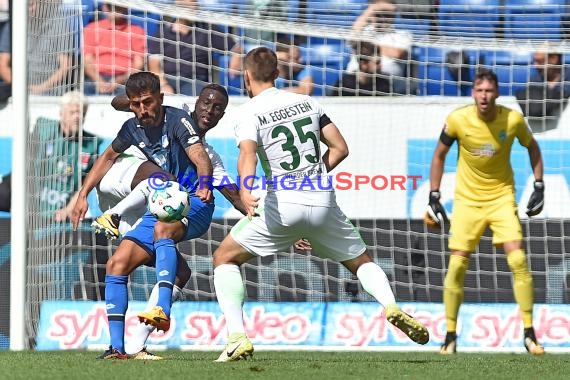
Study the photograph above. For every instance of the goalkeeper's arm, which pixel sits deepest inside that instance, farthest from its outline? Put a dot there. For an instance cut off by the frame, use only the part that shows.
(435, 213)
(536, 201)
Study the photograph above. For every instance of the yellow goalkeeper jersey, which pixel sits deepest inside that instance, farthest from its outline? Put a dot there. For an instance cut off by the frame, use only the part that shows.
(484, 171)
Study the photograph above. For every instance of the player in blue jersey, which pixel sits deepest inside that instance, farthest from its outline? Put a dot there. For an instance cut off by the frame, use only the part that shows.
(124, 190)
(168, 137)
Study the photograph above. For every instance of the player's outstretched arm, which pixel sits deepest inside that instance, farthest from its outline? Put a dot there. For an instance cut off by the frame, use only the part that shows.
(99, 169)
(536, 200)
(337, 148)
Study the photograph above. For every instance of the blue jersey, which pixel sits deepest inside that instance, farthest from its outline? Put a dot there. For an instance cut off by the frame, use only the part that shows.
(165, 145)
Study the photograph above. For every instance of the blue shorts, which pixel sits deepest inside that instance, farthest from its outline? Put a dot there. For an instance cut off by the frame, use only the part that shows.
(199, 220)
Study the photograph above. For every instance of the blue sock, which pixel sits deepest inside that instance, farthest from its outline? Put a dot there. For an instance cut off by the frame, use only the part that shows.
(116, 299)
(166, 265)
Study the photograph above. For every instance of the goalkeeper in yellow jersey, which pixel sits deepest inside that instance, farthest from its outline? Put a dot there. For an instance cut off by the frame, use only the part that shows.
(485, 196)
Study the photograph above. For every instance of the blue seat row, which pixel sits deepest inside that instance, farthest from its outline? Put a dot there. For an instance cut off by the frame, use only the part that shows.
(522, 19)
(514, 70)
(477, 18)
(512, 19)
(327, 60)
(433, 72)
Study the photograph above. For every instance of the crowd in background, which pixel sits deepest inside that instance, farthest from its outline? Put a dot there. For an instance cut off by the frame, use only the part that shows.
(377, 59)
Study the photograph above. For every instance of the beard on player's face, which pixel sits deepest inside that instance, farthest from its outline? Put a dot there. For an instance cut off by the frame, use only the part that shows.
(149, 119)
(147, 107)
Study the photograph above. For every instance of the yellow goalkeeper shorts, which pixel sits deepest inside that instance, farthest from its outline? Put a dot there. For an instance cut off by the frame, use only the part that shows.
(468, 223)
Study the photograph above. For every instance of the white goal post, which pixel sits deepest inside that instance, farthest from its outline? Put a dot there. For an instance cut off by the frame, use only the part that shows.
(18, 217)
(391, 135)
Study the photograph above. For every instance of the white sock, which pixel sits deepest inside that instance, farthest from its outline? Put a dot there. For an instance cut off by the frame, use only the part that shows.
(142, 331)
(230, 291)
(137, 198)
(375, 282)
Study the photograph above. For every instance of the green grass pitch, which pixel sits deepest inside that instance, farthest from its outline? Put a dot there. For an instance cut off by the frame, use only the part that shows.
(286, 365)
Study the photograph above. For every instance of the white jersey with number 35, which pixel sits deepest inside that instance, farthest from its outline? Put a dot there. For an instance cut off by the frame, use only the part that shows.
(287, 130)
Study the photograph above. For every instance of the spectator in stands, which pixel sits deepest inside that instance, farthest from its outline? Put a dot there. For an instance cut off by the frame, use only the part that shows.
(366, 80)
(294, 76)
(377, 22)
(5, 61)
(182, 53)
(51, 42)
(549, 87)
(4, 11)
(259, 10)
(60, 155)
(113, 49)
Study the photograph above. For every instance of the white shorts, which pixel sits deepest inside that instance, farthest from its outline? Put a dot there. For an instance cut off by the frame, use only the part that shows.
(330, 232)
(116, 185)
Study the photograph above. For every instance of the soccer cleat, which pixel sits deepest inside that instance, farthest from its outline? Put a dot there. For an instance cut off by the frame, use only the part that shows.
(112, 353)
(109, 224)
(531, 344)
(238, 347)
(155, 317)
(407, 324)
(145, 355)
(449, 347)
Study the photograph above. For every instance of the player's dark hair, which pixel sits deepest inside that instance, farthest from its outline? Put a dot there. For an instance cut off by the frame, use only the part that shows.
(216, 87)
(140, 82)
(261, 64)
(485, 74)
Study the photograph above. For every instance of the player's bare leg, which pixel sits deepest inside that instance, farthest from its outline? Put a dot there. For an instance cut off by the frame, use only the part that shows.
(375, 283)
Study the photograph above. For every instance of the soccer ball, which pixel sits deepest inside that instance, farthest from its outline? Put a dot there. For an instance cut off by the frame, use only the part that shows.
(168, 204)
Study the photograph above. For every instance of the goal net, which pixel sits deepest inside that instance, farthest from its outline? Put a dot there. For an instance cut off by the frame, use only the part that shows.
(427, 54)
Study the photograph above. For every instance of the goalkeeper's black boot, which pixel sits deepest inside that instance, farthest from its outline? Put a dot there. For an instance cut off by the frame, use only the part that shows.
(449, 347)
(531, 344)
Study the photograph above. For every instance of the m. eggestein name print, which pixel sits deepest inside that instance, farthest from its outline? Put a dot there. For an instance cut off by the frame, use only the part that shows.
(285, 113)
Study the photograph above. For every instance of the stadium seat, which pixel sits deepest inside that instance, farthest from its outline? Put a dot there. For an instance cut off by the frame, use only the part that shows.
(227, 6)
(327, 62)
(88, 9)
(291, 8)
(419, 26)
(434, 74)
(334, 13)
(150, 22)
(533, 19)
(513, 69)
(468, 18)
(234, 85)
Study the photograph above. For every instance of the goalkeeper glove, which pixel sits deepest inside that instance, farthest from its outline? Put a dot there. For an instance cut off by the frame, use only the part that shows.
(536, 201)
(435, 213)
